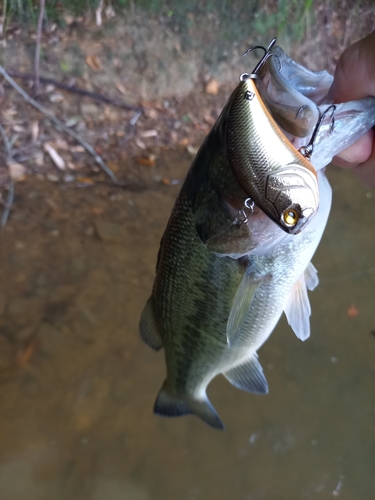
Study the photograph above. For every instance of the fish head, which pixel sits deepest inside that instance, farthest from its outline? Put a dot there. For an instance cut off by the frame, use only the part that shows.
(294, 194)
(298, 97)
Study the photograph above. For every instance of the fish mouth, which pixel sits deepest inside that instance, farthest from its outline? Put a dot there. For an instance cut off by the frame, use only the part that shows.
(297, 97)
(293, 95)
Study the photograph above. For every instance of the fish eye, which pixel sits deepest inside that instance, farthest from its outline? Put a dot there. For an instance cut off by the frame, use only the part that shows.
(290, 217)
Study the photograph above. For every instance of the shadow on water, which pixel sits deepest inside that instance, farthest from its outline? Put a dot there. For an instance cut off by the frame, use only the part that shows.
(78, 385)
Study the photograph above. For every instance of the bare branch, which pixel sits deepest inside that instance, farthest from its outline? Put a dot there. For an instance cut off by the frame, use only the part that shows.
(10, 197)
(37, 47)
(60, 125)
(8, 204)
(71, 88)
(7, 144)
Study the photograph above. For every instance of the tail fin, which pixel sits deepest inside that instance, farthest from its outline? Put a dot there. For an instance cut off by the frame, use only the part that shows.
(169, 405)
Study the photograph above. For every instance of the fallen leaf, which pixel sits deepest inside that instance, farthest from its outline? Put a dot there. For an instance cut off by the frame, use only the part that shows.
(166, 181)
(120, 88)
(55, 157)
(140, 143)
(147, 162)
(17, 171)
(93, 63)
(56, 97)
(149, 133)
(71, 122)
(212, 87)
(77, 149)
(192, 150)
(97, 210)
(34, 127)
(184, 142)
(53, 177)
(85, 180)
(209, 119)
(151, 113)
(61, 144)
(18, 129)
(353, 311)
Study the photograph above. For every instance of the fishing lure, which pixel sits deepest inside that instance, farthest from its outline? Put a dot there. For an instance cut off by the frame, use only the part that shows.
(274, 174)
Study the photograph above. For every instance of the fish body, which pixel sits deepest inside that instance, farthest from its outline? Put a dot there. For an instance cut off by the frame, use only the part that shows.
(274, 174)
(211, 312)
(225, 270)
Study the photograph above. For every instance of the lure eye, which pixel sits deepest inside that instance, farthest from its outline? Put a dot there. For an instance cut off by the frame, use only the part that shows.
(290, 217)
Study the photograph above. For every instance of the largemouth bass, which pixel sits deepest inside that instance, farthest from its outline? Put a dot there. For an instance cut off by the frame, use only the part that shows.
(225, 274)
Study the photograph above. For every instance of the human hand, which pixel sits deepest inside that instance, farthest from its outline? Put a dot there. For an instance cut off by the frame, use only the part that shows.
(354, 79)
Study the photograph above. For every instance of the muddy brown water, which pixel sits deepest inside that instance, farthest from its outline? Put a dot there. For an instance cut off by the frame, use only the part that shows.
(77, 385)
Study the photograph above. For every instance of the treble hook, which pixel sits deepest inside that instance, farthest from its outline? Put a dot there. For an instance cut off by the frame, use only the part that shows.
(307, 150)
(243, 216)
(263, 60)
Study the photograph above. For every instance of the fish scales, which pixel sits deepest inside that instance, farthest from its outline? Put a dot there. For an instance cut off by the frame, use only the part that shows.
(195, 290)
(226, 271)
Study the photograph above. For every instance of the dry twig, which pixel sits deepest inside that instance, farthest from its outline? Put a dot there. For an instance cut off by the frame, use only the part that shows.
(37, 47)
(60, 125)
(10, 197)
(76, 90)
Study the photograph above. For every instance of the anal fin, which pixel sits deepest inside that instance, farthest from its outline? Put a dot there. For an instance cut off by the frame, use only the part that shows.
(248, 376)
(311, 276)
(298, 309)
(148, 328)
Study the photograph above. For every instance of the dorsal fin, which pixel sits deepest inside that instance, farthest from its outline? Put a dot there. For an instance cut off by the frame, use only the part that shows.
(148, 328)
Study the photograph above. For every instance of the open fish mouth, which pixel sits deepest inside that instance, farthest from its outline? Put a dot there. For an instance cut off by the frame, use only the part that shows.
(297, 98)
(280, 128)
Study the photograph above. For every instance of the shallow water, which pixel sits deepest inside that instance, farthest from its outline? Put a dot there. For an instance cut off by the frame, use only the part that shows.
(77, 385)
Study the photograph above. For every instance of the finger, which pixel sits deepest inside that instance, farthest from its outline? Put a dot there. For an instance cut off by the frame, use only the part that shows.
(365, 171)
(355, 72)
(357, 153)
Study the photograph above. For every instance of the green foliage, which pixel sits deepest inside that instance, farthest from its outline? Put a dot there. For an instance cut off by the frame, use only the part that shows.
(291, 15)
(235, 16)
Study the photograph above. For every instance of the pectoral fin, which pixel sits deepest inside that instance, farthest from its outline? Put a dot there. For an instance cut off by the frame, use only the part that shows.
(298, 308)
(148, 328)
(248, 376)
(241, 304)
